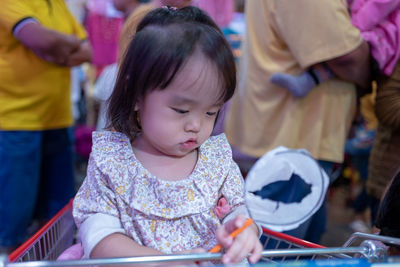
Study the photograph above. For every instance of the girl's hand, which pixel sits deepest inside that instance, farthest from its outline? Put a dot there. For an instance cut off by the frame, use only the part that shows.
(244, 243)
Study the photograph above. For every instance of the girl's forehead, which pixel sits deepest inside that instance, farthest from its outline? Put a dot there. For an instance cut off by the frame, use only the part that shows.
(198, 76)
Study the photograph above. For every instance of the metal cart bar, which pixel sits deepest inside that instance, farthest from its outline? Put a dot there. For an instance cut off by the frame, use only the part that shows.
(316, 251)
(193, 257)
(364, 236)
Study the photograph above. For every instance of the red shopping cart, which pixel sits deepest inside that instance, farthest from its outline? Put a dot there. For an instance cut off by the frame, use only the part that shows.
(43, 248)
(50, 241)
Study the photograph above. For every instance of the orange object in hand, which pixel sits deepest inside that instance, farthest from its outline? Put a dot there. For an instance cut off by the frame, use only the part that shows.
(246, 224)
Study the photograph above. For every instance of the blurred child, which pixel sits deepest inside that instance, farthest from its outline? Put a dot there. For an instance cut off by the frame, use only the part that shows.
(156, 176)
(379, 23)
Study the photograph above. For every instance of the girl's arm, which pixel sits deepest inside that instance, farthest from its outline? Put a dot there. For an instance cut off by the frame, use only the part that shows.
(96, 214)
(119, 245)
(247, 242)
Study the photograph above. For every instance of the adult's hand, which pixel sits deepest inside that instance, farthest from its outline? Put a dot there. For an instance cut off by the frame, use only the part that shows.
(48, 44)
(81, 55)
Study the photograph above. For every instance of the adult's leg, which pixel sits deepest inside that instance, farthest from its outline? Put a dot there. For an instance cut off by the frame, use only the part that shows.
(317, 224)
(20, 161)
(57, 181)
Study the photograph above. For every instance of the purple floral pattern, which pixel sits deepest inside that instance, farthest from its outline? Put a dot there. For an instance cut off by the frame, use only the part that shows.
(169, 216)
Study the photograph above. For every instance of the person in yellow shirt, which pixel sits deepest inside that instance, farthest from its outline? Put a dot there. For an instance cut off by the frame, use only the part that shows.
(39, 41)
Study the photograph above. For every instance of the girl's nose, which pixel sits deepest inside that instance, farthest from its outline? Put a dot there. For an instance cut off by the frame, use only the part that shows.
(193, 124)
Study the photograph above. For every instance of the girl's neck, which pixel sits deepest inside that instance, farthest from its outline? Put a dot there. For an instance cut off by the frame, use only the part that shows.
(167, 167)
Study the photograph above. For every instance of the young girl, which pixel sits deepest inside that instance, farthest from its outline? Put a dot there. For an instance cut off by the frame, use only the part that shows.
(379, 23)
(154, 179)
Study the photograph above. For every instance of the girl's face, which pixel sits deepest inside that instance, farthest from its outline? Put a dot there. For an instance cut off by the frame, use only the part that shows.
(178, 119)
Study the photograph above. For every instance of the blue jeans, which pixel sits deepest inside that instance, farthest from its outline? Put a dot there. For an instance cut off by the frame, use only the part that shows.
(36, 178)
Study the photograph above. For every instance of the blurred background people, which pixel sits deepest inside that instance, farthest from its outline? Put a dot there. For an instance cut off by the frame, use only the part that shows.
(379, 23)
(103, 24)
(263, 116)
(39, 42)
(220, 10)
(384, 158)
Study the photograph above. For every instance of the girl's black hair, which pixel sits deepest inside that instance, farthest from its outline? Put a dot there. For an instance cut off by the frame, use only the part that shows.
(164, 40)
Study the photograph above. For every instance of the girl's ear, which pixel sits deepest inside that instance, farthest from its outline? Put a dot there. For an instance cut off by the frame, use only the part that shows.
(138, 104)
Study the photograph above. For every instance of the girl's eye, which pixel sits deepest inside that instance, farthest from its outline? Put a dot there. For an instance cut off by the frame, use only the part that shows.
(211, 113)
(180, 111)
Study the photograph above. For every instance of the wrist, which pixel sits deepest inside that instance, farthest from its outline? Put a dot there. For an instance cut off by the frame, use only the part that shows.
(257, 230)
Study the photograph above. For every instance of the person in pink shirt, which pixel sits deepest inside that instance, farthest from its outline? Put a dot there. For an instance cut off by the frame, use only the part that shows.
(103, 23)
(379, 23)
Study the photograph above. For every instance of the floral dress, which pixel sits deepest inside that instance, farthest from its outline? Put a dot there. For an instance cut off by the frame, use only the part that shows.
(169, 216)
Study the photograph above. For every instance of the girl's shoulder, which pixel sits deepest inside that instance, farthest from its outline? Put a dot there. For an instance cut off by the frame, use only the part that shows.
(109, 143)
(113, 156)
(216, 147)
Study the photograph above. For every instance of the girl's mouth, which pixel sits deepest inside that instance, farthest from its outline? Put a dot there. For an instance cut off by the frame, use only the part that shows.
(189, 144)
